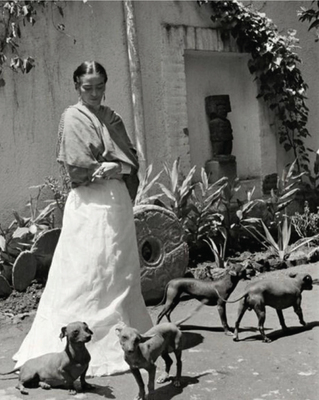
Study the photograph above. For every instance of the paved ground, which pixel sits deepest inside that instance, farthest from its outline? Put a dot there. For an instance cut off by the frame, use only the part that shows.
(214, 367)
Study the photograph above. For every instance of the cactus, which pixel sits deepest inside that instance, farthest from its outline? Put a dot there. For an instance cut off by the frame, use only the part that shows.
(24, 270)
(43, 249)
(5, 288)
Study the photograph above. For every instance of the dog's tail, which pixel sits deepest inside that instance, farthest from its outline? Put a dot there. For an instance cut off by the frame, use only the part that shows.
(229, 301)
(164, 297)
(196, 309)
(10, 372)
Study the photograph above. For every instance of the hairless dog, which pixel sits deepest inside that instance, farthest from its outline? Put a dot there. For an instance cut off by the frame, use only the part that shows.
(59, 369)
(204, 290)
(278, 293)
(142, 350)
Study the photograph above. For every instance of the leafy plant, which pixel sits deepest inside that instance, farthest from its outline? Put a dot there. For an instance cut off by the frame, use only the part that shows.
(274, 221)
(145, 186)
(288, 184)
(274, 63)
(311, 15)
(279, 247)
(229, 191)
(204, 220)
(219, 253)
(14, 15)
(179, 190)
(307, 223)
(245, 207)
(193, 204)
(60, 192)
(23, 231)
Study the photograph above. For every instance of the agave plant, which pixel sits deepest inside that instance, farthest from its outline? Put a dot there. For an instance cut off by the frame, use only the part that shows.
(219, 253)
(279, 247)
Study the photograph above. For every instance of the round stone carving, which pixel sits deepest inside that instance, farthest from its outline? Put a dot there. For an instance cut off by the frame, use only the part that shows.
(163, 253)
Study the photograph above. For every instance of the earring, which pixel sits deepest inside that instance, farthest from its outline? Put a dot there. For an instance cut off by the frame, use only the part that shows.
(103, 96)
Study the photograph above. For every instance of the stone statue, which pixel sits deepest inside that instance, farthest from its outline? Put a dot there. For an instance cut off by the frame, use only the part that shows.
(223, 163)
(221, 133)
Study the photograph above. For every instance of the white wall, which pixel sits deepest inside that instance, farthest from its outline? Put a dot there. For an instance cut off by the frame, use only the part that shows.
(214, 73)
(31, 105)
(284, 15)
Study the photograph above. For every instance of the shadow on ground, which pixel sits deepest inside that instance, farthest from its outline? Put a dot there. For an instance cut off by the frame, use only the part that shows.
(279, 333)
(169, 391)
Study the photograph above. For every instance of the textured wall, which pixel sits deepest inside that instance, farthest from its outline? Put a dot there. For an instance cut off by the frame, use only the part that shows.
(30, 105)
(153, 15)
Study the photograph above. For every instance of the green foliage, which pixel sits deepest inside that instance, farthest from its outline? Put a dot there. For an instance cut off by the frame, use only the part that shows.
(275, 65)
(311, 15)
(307, 223)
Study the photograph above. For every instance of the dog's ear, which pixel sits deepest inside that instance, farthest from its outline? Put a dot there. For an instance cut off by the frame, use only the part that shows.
(119, 327)
(63, 332)
(145, 338)
(118, 330)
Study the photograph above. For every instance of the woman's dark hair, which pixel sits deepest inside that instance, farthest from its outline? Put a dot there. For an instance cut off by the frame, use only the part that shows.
(89, 67)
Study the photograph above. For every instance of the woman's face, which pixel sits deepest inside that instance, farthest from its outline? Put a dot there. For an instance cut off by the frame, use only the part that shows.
(91, 89)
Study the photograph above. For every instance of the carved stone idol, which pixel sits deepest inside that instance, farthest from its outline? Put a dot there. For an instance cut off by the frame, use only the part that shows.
(221, 137)
(220, 130)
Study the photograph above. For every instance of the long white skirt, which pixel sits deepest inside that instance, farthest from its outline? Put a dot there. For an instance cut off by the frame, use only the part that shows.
(94, 277)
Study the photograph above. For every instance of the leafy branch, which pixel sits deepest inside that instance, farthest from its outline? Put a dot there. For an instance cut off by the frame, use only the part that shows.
(14, 15)
(311, 15)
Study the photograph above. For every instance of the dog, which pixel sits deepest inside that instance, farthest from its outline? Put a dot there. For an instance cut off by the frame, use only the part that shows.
(204, 290)
(142, 351)
(59, 369)
(276, 293)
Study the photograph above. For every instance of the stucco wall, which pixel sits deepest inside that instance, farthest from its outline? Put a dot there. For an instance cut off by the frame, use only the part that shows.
(284, 15)
(30, 105)
(224, 74)
(151, 16)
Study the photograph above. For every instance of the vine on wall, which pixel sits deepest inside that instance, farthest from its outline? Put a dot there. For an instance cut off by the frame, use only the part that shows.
(14, 15)
(274, 63)
(311, 15)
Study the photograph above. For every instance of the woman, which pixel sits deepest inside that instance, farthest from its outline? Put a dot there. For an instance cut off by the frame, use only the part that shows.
(95, 273)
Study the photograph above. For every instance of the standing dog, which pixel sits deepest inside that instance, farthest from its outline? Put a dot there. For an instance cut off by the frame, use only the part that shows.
(141, 351)
(204, 290)
(277, 293)
(59, 369)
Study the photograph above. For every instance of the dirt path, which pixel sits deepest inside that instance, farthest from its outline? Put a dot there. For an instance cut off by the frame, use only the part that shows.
(214, 367)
